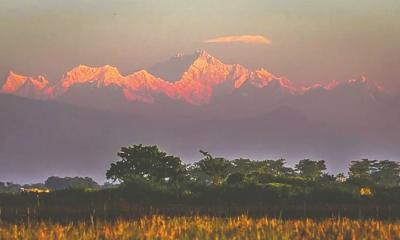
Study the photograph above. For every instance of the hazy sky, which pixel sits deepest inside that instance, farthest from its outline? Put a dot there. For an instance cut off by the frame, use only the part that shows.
(311, 40)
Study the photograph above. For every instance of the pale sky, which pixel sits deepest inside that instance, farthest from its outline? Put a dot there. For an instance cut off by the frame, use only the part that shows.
(310, 40)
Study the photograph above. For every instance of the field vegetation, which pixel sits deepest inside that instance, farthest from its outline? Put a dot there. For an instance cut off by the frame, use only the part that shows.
(241, 227)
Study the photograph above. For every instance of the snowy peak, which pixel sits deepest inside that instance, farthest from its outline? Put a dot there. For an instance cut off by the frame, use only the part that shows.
(144, 80)
(262, 78)
(204, 59)
(142, 75)
(13, 82)
(141, 86)
(206, 72)
(174, 68)
(101, 76)
(37, 87)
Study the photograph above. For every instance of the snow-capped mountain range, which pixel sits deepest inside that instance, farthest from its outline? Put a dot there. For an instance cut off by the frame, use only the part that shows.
(204, 78)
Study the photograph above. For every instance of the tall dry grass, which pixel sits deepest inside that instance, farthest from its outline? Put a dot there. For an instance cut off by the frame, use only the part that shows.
(200, 227)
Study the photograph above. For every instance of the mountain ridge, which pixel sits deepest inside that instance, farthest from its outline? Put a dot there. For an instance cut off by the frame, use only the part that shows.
(205, 78)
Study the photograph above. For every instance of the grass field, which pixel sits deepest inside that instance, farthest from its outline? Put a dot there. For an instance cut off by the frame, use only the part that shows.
(243, 227)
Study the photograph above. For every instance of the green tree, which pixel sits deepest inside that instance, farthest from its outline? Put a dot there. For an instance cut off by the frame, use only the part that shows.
(277, 168)
(216, 168)
(271, 167)
(310, 169)
(58, 183)
(140, 162)
(243, 165)
(360, 172)
(196, 175)
(387, 173)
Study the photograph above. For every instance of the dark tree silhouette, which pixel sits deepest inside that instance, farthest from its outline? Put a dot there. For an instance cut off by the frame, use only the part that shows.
(387, 173)
(146, 163)
(360, 172)
(310, 169)
(59, 183)
(216, 168)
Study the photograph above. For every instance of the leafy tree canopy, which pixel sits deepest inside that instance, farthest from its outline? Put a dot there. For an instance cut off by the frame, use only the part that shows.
(58, 183)
(146, 162)
(215, 167)
(310, 169)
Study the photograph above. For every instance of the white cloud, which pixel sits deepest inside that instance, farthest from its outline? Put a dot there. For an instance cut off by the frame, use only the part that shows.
(255, 39)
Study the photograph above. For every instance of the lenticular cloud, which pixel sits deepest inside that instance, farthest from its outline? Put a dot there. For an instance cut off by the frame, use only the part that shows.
(255, 39)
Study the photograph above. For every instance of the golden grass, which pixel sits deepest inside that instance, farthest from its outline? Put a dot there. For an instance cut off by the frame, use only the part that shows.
(199, 227)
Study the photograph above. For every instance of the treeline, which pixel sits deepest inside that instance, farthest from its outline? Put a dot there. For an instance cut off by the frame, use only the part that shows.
(146, 172)
(148, 166)
(54, 183)
(147, 180)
